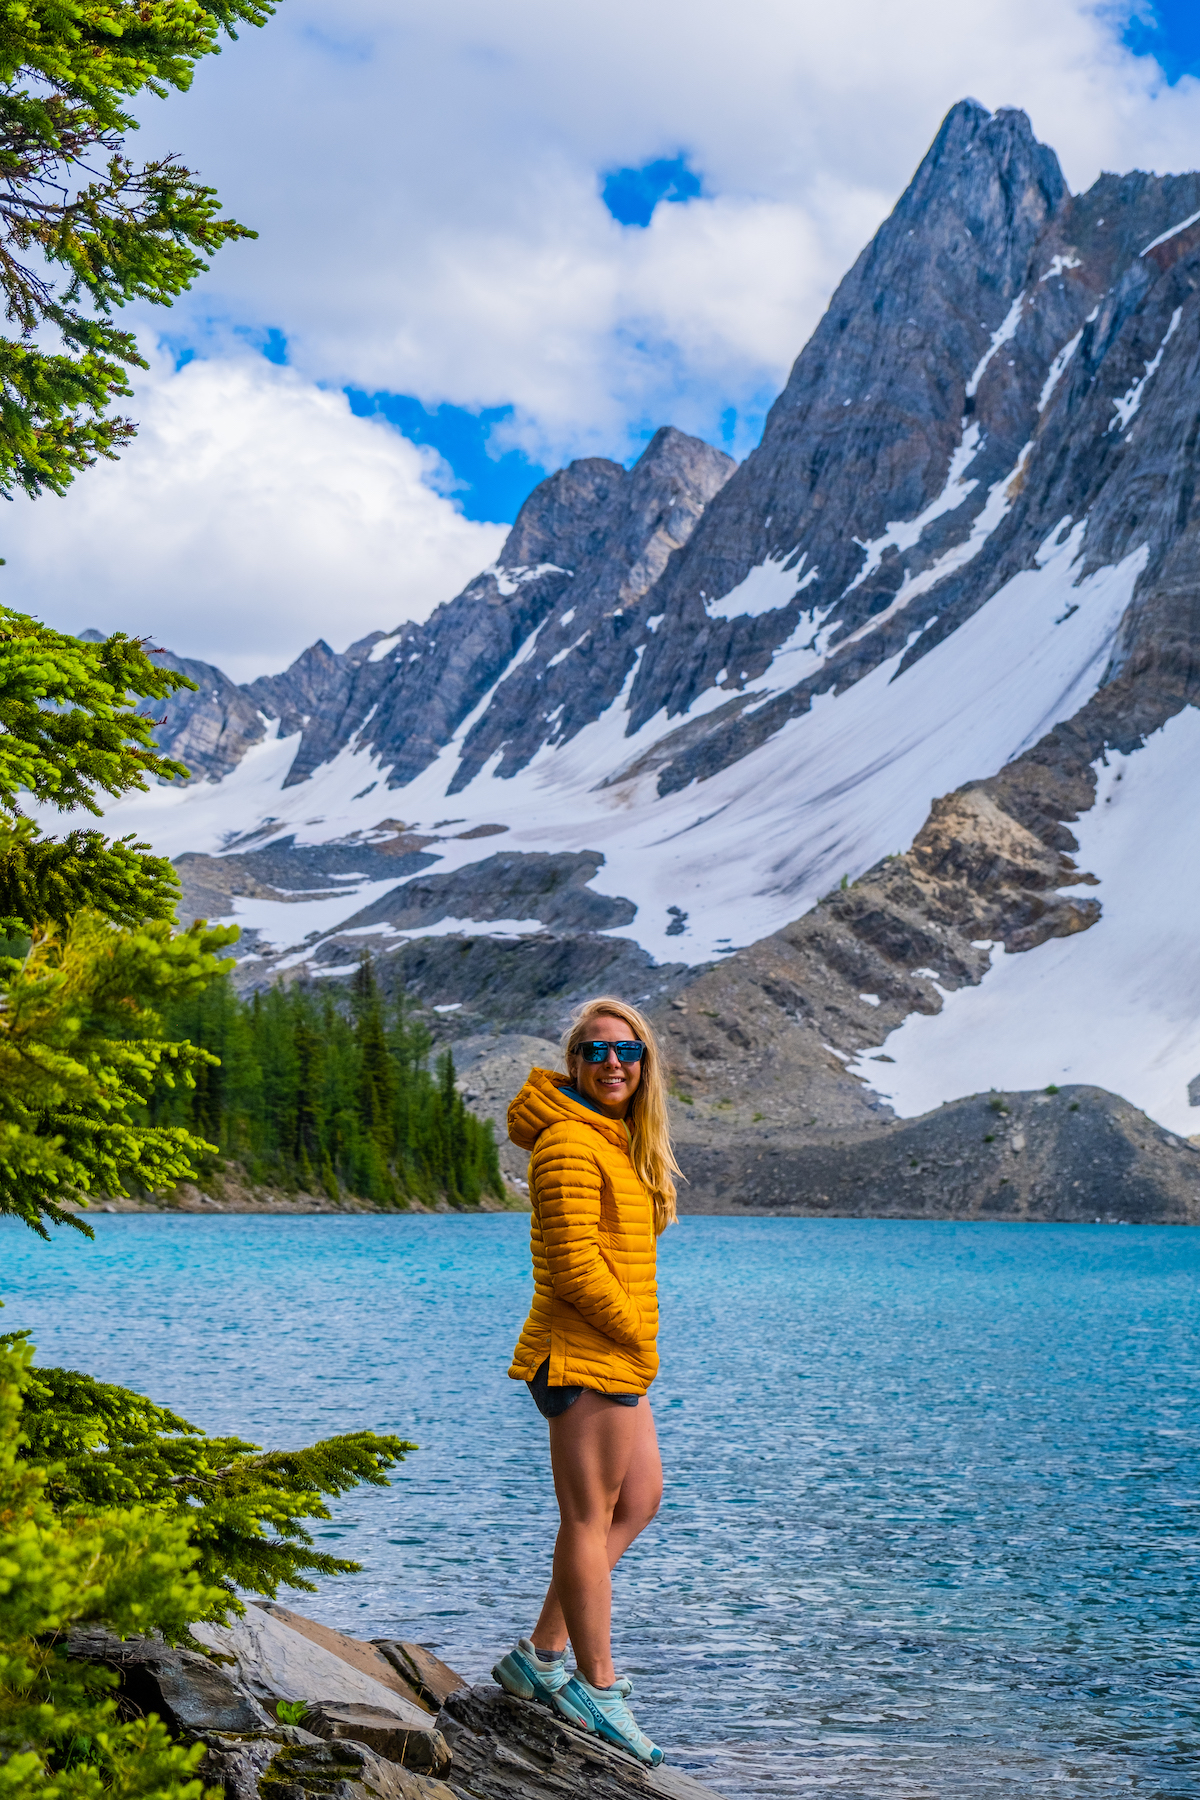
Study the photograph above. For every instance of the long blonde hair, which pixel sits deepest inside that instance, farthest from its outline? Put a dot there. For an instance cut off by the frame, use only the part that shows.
(648, 1121)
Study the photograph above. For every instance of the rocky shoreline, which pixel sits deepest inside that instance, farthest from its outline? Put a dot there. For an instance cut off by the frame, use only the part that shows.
(288, 1709)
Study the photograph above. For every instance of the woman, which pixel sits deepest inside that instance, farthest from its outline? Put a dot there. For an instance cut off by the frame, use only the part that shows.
(602, 1189)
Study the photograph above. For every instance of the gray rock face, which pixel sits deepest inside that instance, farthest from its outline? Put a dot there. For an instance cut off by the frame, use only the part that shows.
(388, 1670)
(275, 1662)
(521, 984)
(432, 1680)
(1077, 1156)
(552, 889)
(208, 730)
(287, 872)
(506, 1749)
(864, 431)
(583, 655)
(1089, 298)
(593, 537)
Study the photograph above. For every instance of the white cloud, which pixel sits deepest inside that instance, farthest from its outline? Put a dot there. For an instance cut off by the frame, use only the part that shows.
(253, 514)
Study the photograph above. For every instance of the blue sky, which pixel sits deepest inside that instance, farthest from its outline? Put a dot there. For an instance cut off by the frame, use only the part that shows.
(494, 239)
(1170, 32)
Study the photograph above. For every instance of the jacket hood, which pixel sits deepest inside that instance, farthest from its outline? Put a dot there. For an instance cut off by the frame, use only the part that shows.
(541, 1103)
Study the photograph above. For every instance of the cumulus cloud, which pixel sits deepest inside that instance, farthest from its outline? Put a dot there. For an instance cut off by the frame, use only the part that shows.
(253, 514)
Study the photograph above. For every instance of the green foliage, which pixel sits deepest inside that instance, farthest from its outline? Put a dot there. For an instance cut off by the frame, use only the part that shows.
(242, 1508)
(82, 1057)
(132, 1568)
(69, 726)
(83, 228)
(314, 1095)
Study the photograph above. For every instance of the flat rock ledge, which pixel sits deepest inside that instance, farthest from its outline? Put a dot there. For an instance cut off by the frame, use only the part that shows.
(361, 1721)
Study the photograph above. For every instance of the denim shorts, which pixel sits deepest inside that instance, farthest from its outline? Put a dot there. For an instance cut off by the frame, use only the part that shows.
(551, 1402)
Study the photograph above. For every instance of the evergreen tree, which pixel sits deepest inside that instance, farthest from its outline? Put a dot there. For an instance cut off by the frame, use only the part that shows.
(103, 1446)
(84, 229)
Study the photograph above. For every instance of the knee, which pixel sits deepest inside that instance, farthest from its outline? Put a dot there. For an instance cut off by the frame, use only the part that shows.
(636, 1510)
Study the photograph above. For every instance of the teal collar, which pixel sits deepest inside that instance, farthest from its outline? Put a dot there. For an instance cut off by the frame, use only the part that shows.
(574, 1094)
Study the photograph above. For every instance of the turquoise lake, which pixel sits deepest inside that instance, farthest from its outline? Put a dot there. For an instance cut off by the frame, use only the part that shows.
(933, 1490)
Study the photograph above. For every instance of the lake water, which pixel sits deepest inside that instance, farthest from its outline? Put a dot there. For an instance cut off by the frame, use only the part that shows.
(930, 1526)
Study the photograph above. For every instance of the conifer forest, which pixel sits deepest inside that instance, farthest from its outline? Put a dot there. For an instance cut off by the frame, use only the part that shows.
(323, 1093)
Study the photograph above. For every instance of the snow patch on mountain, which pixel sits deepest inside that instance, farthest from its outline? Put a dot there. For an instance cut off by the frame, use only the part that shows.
(1113, 1006)
(769, 587)
(1129, 402)
(1004, 335)
(1171, 231)
(1058, 367)
(508, 580)
(999, 500)
(904, 534)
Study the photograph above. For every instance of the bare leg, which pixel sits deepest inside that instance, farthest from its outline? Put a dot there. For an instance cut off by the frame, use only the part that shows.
(608, 1479)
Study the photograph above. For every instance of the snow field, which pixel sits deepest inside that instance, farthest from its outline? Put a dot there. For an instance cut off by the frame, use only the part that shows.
(1116, 1006)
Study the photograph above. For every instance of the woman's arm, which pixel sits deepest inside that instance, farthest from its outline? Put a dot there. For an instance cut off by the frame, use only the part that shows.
(568, 1186)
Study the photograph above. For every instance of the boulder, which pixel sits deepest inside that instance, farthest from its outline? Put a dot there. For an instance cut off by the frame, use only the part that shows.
(508, 1749)
(433, 1680)
(424, 1750)
(275, 1662)
(366, 1741)
(189, 1693)
(236, 1765)
(367, 1658)
(342, 1771)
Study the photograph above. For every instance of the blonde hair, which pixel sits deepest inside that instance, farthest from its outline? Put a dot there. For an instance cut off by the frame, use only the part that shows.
(648, 1121)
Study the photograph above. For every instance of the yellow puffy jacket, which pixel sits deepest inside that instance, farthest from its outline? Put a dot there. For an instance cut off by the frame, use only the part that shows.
(595, 1299)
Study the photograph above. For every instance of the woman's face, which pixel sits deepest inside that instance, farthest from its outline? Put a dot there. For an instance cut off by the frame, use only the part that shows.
(610, 1085)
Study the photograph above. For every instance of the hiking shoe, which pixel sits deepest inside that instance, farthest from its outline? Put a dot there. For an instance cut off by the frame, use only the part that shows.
(605, 1711)
(531, 1676)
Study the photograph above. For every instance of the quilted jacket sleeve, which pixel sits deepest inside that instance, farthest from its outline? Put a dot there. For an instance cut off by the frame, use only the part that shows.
(566, 1178)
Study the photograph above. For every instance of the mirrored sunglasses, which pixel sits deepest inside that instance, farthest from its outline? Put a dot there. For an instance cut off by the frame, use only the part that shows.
(629, 1050)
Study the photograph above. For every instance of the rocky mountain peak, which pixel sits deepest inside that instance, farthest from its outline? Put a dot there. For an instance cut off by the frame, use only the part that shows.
(586, 548)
